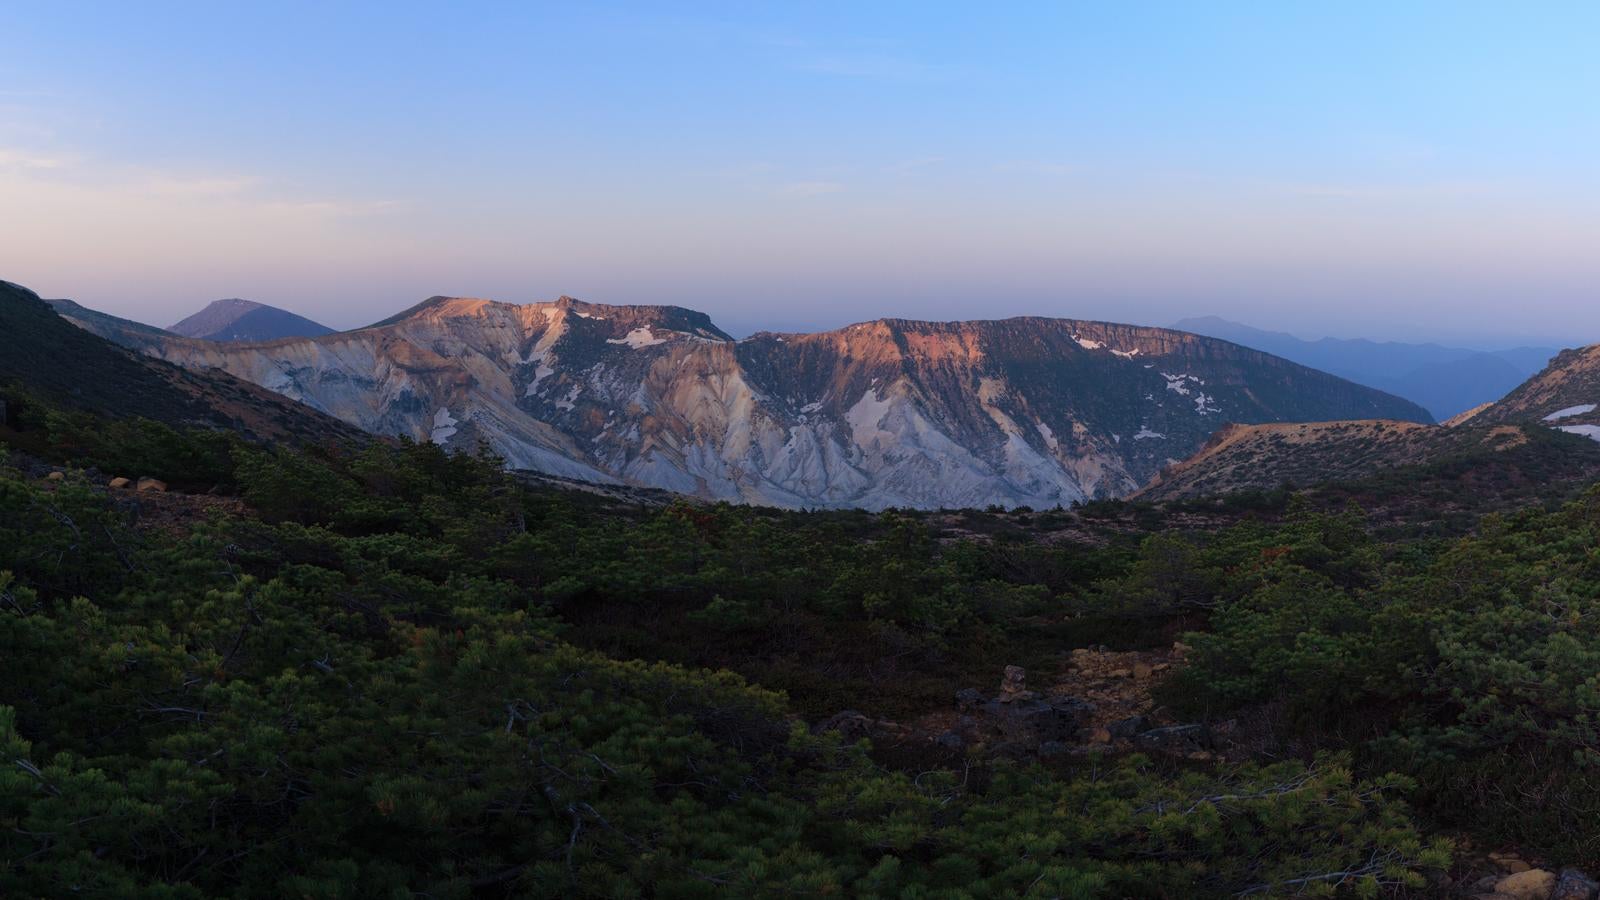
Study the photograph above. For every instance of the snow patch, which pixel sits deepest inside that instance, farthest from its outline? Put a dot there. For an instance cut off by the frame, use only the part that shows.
(539, 374)
(1087, 344)
(1048, 435)
(1570, 411)
(1146, 434)
(1592, 432)
(638, 338)
(1127, 354)
(444, 425)
(567, 402)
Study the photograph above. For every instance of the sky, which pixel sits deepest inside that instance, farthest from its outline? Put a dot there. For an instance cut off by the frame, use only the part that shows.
(1394, 170)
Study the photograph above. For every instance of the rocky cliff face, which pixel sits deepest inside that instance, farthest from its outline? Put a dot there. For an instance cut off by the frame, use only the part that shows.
(1026, 411)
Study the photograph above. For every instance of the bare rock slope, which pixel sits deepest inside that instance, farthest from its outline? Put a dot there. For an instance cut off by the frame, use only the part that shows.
(1027, 411)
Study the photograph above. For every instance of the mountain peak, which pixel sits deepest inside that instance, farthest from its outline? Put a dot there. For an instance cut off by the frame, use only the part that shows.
(234, 319)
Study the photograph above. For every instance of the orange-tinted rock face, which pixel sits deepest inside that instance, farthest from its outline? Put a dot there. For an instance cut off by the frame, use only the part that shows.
(1027, 411)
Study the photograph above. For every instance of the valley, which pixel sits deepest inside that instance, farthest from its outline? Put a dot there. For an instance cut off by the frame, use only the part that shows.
(206, 574)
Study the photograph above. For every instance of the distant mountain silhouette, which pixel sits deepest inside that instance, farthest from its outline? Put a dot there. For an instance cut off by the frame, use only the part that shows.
(1444, 380)
(246, 320)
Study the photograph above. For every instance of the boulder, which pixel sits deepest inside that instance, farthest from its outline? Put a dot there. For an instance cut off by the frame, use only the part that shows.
(969, 698)
(851, 724)
(152, 484)
(1534, 884)
(1014, 686)
(1508, 862)
(950, 741)
(1573, 884)
(1180, 739)
(1037, 721)
(120, 483)
(1129, 728)
(56, 476)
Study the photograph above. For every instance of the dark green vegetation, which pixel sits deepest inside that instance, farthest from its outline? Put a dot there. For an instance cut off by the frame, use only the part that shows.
(381, 678)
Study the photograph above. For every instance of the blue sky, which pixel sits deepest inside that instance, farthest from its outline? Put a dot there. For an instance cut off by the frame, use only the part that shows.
(1397, 170)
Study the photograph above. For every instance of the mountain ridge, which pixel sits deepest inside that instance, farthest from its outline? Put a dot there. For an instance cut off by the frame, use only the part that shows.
(1445, 380)
(888, 412)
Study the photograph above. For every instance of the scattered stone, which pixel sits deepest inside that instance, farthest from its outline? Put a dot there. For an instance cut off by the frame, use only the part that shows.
(851, 724)
(1014, 686)
(1485, 885)
(1127, 729)
(1180, 739)
(1179, 648)
(1100, 736)
(55, 476)
(1121, 673)
(1037, 721)
(152, 484)
(968, 698)
(1574, 884)
(1533, 884)
(1509, 862)
(120, 483)
(1142, 670)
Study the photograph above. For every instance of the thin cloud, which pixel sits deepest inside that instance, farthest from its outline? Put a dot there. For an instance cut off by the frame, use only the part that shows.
(1036, 167)
(175, 184)
(874, 66)
(340, 208)
(910, 166)
(23, 160)
(1359, 191)
(809, 188)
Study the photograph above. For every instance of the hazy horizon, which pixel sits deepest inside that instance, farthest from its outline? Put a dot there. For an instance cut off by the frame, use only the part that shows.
(1416, 174)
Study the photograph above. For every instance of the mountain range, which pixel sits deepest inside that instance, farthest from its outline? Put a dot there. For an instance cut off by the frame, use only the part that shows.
(892, 412)
(1444, 380)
